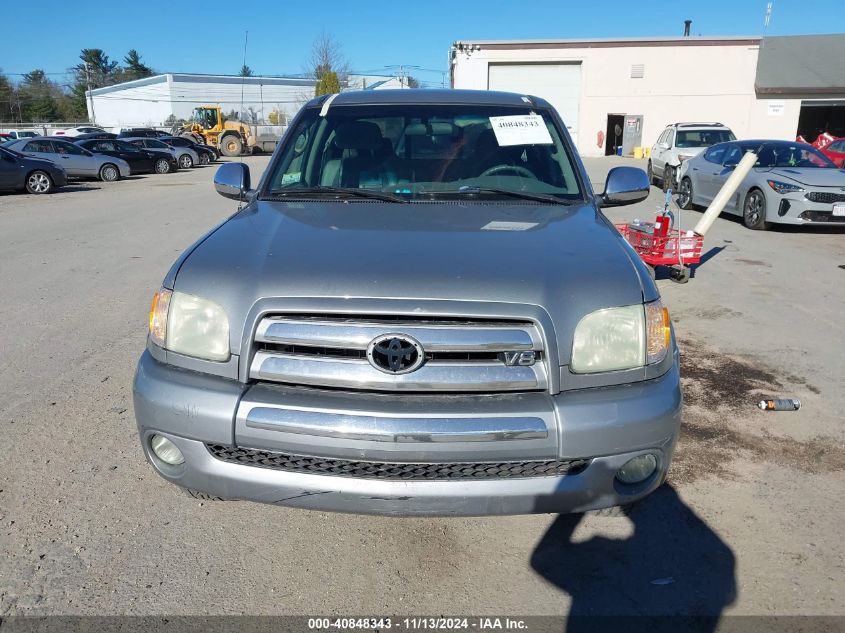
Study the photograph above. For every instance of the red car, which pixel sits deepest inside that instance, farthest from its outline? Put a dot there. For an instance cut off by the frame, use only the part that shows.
(835, 151)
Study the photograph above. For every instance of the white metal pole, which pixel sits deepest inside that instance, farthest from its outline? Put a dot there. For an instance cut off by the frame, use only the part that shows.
(728, 189)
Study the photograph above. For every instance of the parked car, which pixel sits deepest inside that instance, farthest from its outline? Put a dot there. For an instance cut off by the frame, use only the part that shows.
(16, 134)
(141, 160)
(5, 137)
(142, 132)
(205, 154)
(76, 131)
(76, 161)
(791, 183)
(680, 142)
(34, 175)
(835, 151)
(186, 156)
(95, 135)
(421, 310)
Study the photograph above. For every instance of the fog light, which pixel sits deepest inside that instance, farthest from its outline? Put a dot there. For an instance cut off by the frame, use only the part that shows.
(168, 452)
(637, 469)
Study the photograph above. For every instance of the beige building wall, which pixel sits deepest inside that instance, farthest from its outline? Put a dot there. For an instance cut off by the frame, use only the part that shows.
(686, 80)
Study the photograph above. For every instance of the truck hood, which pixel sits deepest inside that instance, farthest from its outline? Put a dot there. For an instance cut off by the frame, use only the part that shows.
(812, 176)
(568, 260)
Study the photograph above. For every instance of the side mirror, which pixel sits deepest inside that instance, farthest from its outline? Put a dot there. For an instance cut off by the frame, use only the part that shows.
(232, 181)
(624, 185)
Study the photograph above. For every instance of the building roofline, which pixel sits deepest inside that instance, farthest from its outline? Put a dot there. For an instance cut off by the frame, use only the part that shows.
(716, 40)
(265, 80)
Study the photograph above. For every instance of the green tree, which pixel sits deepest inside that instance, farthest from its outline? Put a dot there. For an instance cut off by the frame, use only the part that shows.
(412, 82)
(96, 70)
(8, 99)
(135, 68)
(38, 96)
(327, 84)
(246, 71)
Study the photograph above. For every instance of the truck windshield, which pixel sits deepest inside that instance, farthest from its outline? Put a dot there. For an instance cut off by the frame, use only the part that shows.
(425, 151)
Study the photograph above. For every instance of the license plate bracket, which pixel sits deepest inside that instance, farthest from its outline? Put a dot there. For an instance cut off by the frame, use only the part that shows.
(839, 210)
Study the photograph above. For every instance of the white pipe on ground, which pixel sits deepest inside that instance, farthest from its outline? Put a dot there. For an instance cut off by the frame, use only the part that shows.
(728, 189)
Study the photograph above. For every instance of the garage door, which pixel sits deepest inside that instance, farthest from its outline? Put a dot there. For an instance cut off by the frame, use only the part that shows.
(559, 84)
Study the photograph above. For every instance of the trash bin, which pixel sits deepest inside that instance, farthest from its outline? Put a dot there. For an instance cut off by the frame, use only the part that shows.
(619, 151)
(638, 152)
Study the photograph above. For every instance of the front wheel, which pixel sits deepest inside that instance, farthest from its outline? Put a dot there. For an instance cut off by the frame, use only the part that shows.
(685, 193)
(185, 161)
(162, 166)
(650, 172)
(109, 173)
(231, 145)
(204, 159)
(754, 211)
(39, 182)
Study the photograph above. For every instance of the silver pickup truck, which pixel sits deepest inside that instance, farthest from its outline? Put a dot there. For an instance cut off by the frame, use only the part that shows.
(419, 310)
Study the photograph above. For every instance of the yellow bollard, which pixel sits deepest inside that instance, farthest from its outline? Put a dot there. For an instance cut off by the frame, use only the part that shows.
(638, 152)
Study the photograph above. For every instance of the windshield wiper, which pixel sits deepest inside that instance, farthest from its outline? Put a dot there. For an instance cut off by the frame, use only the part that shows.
(473, 190)
(342, 191)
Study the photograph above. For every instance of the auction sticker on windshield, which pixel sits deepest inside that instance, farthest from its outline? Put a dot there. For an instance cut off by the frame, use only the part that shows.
(520, 129)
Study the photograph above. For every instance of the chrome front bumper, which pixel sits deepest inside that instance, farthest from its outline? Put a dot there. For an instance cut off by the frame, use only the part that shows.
(607, 425)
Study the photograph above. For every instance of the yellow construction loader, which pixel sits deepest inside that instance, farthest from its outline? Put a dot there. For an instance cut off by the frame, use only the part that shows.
(208, 125)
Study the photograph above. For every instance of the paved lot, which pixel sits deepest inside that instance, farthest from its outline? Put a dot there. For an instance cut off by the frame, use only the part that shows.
(750, 522)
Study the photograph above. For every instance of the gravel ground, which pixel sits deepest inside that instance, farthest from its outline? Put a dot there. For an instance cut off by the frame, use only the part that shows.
(749, 522)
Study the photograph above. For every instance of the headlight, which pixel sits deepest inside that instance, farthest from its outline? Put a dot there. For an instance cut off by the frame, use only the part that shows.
(189, 325)
(614, 339)
(783, 187)
(683, 157)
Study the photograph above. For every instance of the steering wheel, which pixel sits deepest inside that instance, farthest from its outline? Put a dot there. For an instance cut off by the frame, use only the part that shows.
(500, 169)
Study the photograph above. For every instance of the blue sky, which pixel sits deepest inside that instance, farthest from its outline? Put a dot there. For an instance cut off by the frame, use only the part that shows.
(207, 36)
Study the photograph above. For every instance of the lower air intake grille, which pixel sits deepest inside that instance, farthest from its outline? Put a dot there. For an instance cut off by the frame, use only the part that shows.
(825, 197)
(394, 470)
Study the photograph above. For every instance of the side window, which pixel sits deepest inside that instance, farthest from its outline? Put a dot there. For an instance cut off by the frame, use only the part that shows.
(104, 146)
(733, 155)
(837, 146)
(715, 154)
(70, 148)
(662, 137)
(44, 147)
(670, 138)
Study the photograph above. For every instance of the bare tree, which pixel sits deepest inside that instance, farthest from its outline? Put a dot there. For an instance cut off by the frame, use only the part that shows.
(327, 56)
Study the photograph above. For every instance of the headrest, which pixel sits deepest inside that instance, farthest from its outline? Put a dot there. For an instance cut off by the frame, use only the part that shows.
(436, 128)
(358, 135)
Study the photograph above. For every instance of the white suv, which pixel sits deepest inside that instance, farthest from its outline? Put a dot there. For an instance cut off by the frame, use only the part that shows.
(680, 142)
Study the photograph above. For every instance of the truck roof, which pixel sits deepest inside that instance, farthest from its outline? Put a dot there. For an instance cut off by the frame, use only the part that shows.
(431, 97)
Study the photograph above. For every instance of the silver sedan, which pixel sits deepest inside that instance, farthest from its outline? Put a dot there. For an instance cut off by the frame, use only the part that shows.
(76, 161)
(791, 183)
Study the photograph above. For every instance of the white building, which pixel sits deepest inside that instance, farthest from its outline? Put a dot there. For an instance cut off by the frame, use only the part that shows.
(761, 88)
(153, 100)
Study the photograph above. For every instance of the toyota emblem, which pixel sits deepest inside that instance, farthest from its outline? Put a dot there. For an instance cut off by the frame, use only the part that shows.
(395, 354)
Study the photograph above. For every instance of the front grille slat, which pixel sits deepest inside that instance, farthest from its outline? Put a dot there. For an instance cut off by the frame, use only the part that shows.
(459, 354)
(825, 197)
(395, 470)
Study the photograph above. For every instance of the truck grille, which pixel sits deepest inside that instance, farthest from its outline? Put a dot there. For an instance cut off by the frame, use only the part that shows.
(395, 470)
(825, 197)
(455, 355)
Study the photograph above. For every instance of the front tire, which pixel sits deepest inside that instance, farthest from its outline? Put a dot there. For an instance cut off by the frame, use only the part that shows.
(162, 166)
(109, 173)
(685, 193)
(204, 160)
(650, 172)
(185, 161)
(231, 145)
(754, 211)
(39, 182)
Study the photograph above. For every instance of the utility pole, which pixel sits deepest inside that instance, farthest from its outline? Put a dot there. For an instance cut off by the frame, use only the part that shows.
(90, 96)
